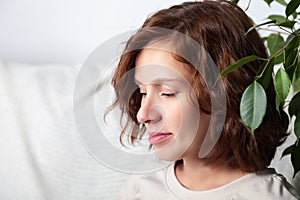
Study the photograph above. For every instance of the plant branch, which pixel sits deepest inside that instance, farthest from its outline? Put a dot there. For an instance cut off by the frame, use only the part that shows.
(273, 30)
(285, 30)
(249, 2)
(294, 61)
(273, 56)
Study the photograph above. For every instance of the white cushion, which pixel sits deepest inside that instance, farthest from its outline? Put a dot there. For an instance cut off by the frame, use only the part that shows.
(40, 152)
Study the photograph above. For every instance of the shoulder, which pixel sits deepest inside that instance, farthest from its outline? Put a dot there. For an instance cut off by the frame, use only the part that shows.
(141, 184)
(270, 185)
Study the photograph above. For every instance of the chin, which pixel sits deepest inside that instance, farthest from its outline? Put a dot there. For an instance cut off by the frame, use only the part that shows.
(166, 156)
(170, 152)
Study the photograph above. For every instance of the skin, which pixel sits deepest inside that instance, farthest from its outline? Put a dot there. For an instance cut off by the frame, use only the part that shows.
(168, 104)
(168, 107)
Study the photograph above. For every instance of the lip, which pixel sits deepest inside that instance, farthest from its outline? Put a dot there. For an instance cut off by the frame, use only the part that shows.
(155, 138)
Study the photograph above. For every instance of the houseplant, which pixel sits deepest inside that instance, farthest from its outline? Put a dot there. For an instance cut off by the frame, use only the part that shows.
(283, 45)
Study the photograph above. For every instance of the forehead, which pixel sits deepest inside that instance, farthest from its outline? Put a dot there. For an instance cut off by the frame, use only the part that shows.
(157, 63)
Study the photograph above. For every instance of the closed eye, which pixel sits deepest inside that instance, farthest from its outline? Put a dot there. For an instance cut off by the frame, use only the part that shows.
(168, 94)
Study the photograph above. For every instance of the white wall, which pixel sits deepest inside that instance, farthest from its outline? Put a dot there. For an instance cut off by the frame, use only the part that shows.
(67, 31)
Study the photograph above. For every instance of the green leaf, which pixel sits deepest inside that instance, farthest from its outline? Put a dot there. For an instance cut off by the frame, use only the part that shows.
(234, 1)
(295, 14)
(274, 43)
(269, 1)
(264, 73)
(277, 103)
(287, 151)
(297, 70)
(296, 78)
(288, 24)
(282, 84)
(239, 63)
(294, 106)
(291, 54)
(291, 7)
(277, 18)
(253, 106)
(290, 62)
(282, 2)
(282, 21)
(296, 85)
(284, 118)
(295, 155)
(297, 126)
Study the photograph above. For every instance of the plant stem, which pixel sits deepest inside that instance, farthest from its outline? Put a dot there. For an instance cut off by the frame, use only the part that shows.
(274, 55)
(273, 30)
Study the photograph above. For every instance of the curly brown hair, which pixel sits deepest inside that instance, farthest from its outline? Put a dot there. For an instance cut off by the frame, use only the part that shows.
(220, 28)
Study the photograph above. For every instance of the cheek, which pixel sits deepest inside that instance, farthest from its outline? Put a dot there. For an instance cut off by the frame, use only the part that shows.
(189, 124)
(174, 122)
(182, 116)
(183, 122)
(173, 115)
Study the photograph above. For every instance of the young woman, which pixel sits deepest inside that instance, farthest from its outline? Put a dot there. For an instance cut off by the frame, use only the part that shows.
(192, 119)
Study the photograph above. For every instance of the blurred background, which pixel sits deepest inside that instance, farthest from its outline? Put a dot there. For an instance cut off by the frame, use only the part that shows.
(67, 31)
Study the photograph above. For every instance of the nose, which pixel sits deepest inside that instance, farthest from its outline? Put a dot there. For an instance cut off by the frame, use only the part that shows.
(149, 111)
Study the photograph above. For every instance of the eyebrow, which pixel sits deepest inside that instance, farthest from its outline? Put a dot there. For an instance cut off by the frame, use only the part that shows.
(160, 80)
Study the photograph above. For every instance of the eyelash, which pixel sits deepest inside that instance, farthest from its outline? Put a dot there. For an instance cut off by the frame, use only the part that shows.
(168, 94)
(162, 94)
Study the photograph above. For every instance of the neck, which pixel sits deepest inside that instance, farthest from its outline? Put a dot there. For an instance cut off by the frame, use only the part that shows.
(195, 174)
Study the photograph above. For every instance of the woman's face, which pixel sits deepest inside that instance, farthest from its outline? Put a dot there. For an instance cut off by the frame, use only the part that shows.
(169, 108)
